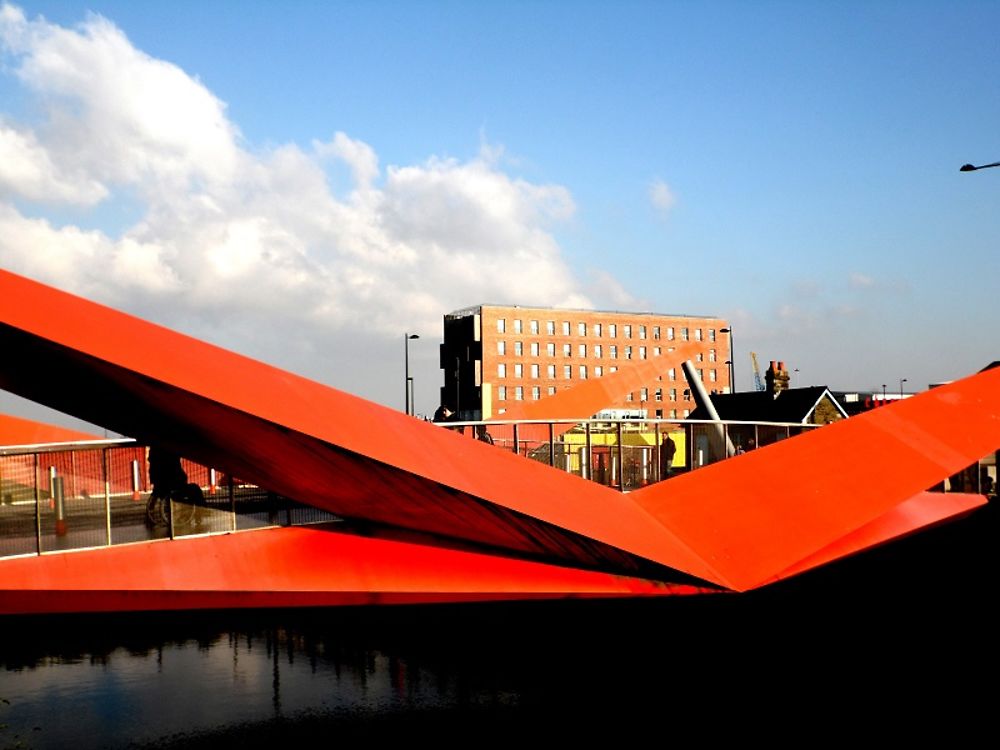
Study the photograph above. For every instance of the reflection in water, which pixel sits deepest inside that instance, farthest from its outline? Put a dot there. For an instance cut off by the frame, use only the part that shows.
(827, 648)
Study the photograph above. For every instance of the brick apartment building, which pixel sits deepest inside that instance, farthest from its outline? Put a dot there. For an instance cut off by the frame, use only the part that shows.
(494, 355)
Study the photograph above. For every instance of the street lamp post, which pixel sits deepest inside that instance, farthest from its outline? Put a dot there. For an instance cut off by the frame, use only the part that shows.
(408, 383)
(901, 381)
(883, 394)
(972, 168)
(732, 371)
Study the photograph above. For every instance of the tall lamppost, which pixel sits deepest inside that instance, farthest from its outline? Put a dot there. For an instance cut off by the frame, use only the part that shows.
(901, 381)
(409, 381)
(732, 372)
(883, 394)
(971, 168)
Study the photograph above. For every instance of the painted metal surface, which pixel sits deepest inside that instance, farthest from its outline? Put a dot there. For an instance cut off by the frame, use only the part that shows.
(18, 431)
(739, 524)
(292, 566)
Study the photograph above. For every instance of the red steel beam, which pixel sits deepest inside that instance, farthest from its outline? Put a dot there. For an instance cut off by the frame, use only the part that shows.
(292, 567)
(738, 524)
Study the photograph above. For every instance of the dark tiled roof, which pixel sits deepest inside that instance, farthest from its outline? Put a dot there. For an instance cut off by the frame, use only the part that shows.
(790, 405)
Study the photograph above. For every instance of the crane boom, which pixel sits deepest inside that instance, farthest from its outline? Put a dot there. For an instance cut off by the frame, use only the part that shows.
(757, 382)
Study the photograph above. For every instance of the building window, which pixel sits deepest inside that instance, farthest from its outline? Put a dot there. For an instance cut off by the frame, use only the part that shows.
(581, 329)
(672, 374)
(501, 370)
(518, 370)
(697, 334)
(519, 393)
(673, 394)
(684, 334)
(699, 357)
(613, 330)
(657, 351)
(673, 414)
(597, 330)
(551, 370)
(501, 325)
(642, 332)
(711, 334)
(628, 331)
(711, 375)
(701, 374)
(658, 394)
(628, 396)
(565, 328)
(711, 355)
(656, 332)
(687, 413)
(518, 348)
(501, 393)
(670, 333)
(517, 326)
(567, 350)
(534, 371)
(583, 372)
(582, 350)
(550, 349)
(550, 327)
(567, 372)
(534, 327)
(598, 371)
(597, 351)
(612, 369)
(642, 352)
(501, 347)
(628, 352)
(613, 351)
(536, 393)
(552, 390)
(534, 348)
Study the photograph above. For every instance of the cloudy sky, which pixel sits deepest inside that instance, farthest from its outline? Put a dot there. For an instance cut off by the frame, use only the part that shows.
(305, 182)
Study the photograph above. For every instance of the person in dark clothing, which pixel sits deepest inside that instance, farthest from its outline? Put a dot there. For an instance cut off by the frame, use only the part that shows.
(444, 413)
(170, 482)
(667, 451)
(165, 471)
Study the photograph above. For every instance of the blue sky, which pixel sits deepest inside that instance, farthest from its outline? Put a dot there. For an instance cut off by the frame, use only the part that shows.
(303, 182)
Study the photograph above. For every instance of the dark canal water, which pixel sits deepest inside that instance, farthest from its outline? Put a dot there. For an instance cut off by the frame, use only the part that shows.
(892, 645)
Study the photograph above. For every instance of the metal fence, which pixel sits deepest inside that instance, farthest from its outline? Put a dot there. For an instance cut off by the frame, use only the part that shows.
(630, 453)
(59, 497)
(62, 497)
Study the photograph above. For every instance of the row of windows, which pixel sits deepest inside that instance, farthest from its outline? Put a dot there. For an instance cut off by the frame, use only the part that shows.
(582, 370)
(597, 350)
(597, 330)
(536, 393)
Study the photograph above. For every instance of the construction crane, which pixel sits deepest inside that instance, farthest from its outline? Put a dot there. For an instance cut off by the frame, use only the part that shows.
(757, 381)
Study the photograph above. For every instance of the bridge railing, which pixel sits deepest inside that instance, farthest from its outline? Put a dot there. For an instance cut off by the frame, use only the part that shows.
(59, 497)
(627, 453)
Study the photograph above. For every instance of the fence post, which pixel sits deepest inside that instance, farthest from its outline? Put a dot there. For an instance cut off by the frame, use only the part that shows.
(60, 505)
(621, 459)
(135, 480)
(38, 507)
(107, 492)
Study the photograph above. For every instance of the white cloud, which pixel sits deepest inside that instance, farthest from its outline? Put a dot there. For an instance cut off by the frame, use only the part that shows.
(661, 196)
(28, 171)
(860, 281)
(254, 248)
